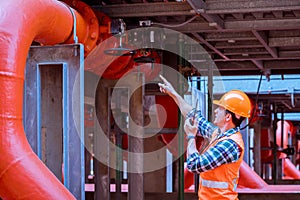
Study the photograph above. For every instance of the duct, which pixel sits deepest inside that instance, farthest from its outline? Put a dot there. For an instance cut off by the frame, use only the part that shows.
(22, 174)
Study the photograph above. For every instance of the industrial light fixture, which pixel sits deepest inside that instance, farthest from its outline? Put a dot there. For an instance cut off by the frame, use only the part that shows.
(118, 26)
(120, 50)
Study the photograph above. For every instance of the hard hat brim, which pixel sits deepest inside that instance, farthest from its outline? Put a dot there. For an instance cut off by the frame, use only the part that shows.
(217, 102)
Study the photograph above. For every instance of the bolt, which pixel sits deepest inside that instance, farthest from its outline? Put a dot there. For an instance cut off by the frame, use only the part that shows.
(93, 35)
(87, 48)
(74, 3)
(92, 21)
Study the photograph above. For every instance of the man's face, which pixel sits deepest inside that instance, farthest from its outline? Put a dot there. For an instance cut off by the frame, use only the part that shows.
(220, 114)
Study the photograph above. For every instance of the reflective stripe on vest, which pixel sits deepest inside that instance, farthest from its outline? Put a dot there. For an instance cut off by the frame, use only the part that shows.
(235, 184)
(217, 184)
(214, 184)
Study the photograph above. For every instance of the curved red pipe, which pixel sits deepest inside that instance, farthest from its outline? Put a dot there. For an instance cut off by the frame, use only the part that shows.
(289, 169)
(249, 178)
(22, 174)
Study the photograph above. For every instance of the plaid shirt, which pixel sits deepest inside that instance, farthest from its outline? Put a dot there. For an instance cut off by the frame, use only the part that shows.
(225, 151)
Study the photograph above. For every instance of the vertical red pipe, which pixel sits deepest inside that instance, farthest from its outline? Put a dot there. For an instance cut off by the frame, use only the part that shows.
(22, 174)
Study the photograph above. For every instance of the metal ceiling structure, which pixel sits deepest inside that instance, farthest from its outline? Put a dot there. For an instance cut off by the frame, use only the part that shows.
(242, 37)
(245, 37)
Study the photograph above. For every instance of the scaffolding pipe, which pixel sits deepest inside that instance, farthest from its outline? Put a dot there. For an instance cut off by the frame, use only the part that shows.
(180, 121)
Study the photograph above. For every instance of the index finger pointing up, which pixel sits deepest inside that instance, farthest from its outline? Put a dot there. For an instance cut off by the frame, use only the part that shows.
(163, 79)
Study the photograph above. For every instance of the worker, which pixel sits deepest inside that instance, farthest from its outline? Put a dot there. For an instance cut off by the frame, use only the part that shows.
(218, 164)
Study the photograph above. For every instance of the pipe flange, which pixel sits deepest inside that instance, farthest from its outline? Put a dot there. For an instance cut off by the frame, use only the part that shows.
(90, 18)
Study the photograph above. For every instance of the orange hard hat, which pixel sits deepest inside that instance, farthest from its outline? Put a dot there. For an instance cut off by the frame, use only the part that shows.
(235, 101)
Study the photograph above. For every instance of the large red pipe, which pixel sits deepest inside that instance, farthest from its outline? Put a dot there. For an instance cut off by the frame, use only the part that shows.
(289, 169)
(22, 174)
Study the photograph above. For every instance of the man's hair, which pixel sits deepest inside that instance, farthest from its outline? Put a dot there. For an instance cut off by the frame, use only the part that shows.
(236, 121)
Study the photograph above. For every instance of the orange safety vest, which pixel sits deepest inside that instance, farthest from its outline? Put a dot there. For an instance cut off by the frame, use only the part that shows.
(221, 182)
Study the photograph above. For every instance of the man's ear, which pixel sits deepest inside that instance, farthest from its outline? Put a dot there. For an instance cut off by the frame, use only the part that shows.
(228, 117)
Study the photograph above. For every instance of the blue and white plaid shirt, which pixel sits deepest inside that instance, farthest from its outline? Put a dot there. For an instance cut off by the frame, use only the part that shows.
(225, 151)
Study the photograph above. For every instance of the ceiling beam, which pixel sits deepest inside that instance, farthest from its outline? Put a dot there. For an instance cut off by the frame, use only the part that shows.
(259, 64)
(202, 40)
(279, 33)
(264, 24)
(211, 8)
(146, 9)
(214, 21)
(284, 42)
(278, 14)
(238, 44)
(228, 65)
(282, 64)
(250, 57)
(233, 36)
(238, 16)
(245, 25)
(289, 54)
(225, 6)
(263, 39)
(249, 65)
(296, 13)
(257, 51)
(258, 15)
(199, 7)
